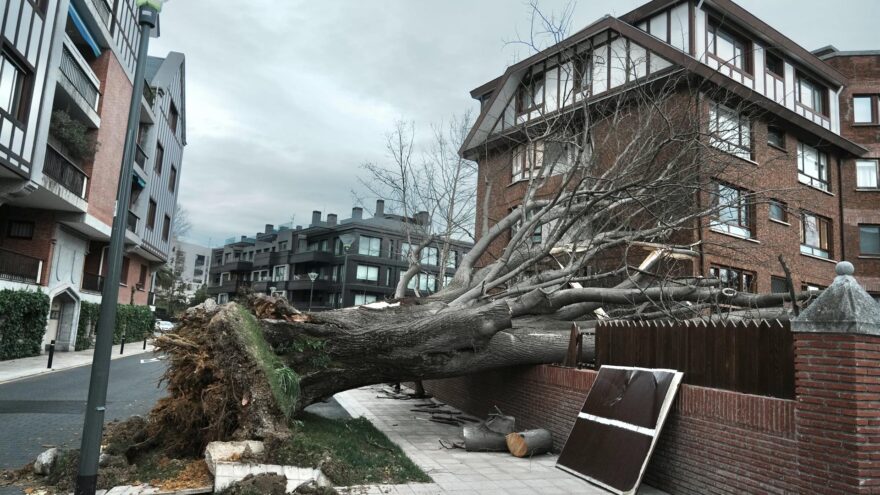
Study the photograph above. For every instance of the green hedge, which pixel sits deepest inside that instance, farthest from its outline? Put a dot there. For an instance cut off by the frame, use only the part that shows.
(136, 322)
(23, 317)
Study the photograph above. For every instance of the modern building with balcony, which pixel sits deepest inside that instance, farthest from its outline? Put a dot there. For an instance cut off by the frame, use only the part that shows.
(283, 261)
(805, 126)
(71, 77)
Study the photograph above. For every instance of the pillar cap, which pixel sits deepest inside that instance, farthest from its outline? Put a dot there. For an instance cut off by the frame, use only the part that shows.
(844, 307)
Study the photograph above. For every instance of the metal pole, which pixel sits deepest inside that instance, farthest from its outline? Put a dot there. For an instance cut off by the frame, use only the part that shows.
(122, 344)
(344, 277)
(51, 354)
(90, 448)
(311, 292)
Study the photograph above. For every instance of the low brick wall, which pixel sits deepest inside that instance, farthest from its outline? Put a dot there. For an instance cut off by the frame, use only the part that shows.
(714, 441)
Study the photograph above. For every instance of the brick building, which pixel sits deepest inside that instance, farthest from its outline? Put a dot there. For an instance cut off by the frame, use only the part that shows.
(278, 260)
(807, 127)
(68, 69)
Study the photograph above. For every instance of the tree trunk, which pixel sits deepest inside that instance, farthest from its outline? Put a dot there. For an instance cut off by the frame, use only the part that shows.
(530, 442)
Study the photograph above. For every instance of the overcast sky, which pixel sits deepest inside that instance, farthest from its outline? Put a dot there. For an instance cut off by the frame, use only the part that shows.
(286, 99)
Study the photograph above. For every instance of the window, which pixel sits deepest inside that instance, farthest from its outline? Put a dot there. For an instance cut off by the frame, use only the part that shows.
(369, 273)
(279, 273)
(364, 299)
(778, 211)
(734, 211)
(557, 157)
(282, 246)
(325, 246)
(13, 100)
(865, 109)
(200, 260)
(451, 259)
(166, 228)
(17, 229)
(151, 216)
(866, 174)
(405, 249)
(369, 246)
(427, 282)
(730, 131)
(430, 256)
(531, 94)
(778, 284)
(815, 235)
(730, 49)
(775, 136)
(123, 275)
(812, 167)
(734, 278)
(812, 95)
(222, 298)
(160, 158)
(172, 178)
(808, 287)
(775, 65)
(526, 161)
(869, 239)
(173, 117)
(536, 233)
(142, 277)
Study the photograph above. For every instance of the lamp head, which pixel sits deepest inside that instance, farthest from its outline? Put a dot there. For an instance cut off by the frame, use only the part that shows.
(313, 276)
(153, 4)
(347, 240)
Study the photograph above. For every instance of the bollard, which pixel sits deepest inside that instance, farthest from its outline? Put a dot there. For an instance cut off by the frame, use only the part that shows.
(122, 344)
(51, 354)
(145, 343)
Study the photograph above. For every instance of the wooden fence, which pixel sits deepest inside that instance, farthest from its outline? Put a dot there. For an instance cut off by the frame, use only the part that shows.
(753, 358)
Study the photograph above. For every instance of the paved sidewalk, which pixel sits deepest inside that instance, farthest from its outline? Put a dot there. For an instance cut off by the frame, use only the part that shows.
(16, 369)
(456, 471)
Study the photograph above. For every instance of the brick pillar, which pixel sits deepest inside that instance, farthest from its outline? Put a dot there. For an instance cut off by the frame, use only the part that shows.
(837, 366)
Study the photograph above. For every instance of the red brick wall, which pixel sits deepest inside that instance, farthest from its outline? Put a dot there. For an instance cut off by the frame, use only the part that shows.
(714, 441)
(43, 241)
(860, 206)
(129, 281)
(104, 171)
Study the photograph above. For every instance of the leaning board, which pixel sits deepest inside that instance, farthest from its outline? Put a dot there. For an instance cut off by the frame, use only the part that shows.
(616, 430)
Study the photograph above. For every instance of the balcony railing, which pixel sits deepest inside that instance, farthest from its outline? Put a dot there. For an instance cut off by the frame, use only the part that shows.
(65, 172)
(92, 282)
(19, 267)
(132, 222)
(79, 74)
(103, 11)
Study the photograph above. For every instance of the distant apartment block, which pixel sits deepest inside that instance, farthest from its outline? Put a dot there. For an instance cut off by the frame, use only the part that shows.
(65, 87)
(278, 261)
(191, 263)
(814, 132)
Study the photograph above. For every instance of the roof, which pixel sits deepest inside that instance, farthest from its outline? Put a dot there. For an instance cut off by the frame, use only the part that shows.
(672, 54)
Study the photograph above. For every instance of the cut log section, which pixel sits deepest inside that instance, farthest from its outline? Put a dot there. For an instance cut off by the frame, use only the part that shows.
(530, 442)
(480, 438)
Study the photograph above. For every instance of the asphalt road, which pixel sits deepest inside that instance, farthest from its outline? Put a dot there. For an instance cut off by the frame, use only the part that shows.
(48, 410)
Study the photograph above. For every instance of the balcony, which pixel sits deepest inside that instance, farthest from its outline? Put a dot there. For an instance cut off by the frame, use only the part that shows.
(17, 267)
(92, 282)
(79, 75)
(312, 256)
(132, 223)
(140, 156)
(65, 172)
(104, 10)
(228, 287)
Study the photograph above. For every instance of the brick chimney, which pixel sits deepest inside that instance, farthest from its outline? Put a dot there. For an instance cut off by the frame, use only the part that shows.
(380, 208)
(331, 218)
(316, 217)
(357, 213)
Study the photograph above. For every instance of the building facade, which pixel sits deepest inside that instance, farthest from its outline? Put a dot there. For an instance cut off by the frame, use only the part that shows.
(812, 133)
(279, 260)
(66, 94)
(191, 264)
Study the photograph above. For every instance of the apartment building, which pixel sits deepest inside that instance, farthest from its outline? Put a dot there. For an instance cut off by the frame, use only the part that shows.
(279, 260)
(811, 130)
(67, 79)
(191, 263)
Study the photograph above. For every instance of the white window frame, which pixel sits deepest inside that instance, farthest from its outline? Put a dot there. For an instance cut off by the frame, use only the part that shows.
(730, 131)
(275, 275)
(367, 273)
(369, 246)
(822, 181)
(868, 165)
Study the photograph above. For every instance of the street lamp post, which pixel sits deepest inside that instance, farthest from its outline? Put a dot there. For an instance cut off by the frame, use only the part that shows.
(312, 276)
(93, 426)
(347, 240)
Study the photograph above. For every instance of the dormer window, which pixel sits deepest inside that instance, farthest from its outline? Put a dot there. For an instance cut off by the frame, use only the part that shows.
(729, 48)
(812, 95)
(531, 94)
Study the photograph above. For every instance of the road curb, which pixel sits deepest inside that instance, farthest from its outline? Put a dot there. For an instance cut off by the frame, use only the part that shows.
(47, 371)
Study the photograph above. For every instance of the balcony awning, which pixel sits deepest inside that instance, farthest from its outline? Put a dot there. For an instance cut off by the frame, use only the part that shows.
(83, 30)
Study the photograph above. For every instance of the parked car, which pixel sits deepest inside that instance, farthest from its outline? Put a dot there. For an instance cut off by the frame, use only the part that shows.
(163, 326)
